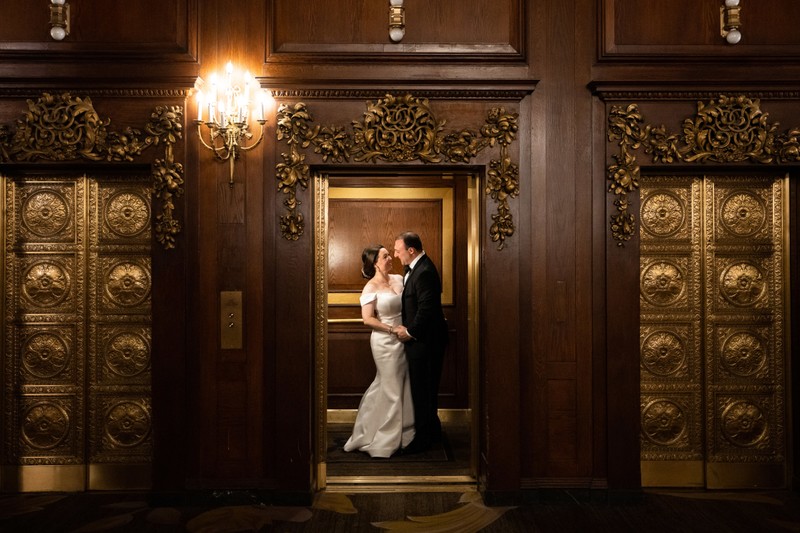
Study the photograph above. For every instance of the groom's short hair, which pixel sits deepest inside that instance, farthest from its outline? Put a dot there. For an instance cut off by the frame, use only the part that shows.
(411, 240)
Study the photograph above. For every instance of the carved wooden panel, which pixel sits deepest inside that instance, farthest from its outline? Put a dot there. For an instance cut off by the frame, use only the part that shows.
(76, 360)
(712, 331)
(100, 27)
(446, 28)
(691, 28)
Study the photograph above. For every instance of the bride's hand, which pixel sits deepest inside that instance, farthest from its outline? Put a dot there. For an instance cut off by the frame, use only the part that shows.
(402, 333)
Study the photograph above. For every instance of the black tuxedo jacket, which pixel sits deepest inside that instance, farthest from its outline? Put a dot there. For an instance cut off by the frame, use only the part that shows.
(422, 307)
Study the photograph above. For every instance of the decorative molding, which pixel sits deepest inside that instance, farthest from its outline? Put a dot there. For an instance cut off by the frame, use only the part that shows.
(106, 93)
(660, 95)
(396, 129)
(66, 128)
(732, 129)
(351, 94)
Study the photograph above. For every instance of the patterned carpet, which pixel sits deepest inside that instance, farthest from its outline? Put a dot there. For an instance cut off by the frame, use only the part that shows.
(552, 511)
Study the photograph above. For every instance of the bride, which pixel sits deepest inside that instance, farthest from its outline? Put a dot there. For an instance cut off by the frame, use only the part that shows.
(385, 419)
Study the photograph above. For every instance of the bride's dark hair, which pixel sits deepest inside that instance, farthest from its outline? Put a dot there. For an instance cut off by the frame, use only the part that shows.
(368, 258)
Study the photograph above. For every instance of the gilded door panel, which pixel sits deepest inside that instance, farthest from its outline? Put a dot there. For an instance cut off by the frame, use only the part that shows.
(712, 350)
(76, 361)
(744, 332)
(670, 332)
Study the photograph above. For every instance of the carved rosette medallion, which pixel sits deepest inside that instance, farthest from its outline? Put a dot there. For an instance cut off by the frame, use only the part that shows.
(743, 214)
(127, 213)
(663, 214)
(45, 284)
(45, 355)
(663, 353)
(663, 283)
(396, 129)
(743, 354)
(45, 425)
(127, 284)
(664, 423)
(743, 424)
(66, 128)
(743, 284)
(45, 213)
(732, 129)
(127, 424)
(127, 354)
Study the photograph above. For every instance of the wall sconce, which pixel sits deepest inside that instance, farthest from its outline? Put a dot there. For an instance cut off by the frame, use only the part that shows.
(729, 21)
(228, 105)
(397, 20)
(59, 19)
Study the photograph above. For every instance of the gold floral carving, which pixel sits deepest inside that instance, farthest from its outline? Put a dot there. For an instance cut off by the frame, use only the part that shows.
(731, 129)
(67, 128)
(396, 129)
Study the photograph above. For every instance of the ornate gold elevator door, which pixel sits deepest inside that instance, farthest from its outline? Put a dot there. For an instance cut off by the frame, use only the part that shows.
(76, 356)
(712, 291)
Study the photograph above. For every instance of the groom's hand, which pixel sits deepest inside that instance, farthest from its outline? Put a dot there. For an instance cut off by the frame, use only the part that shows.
(402, 334)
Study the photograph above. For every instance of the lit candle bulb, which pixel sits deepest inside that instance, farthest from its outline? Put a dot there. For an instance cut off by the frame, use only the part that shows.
(200, 106)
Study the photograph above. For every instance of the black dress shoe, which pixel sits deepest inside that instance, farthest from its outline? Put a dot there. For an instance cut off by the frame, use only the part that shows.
(416, 446)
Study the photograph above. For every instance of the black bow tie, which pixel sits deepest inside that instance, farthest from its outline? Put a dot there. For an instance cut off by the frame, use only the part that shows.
(406, 269)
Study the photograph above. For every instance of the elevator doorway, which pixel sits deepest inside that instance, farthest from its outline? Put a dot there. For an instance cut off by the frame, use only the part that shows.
(714, 279)
(76, 366)
(353, 211)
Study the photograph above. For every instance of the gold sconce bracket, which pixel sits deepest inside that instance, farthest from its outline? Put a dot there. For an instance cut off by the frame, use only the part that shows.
(228, 106)
(227, 142)
(59, 19)
(729, 21)
(397, 20)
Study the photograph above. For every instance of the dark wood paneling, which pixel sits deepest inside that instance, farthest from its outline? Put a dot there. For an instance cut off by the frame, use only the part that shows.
(99, 23)
(556, 410)
(350, 365)
(690, 29)
(101, 26)
(355, 224)
(447, 28)
(150, 43)
(622, 337)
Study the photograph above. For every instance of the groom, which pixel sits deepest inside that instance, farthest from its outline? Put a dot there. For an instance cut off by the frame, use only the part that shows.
(424, 332)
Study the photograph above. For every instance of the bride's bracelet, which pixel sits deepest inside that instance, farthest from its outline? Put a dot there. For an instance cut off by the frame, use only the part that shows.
(391, 330)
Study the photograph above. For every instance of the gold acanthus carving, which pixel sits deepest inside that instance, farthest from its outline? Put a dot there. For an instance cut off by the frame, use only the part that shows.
(67, 128)
(731, 129)
(396, 129)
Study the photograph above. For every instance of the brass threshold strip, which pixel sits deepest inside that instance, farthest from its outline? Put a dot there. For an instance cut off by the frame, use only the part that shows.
(373, 484)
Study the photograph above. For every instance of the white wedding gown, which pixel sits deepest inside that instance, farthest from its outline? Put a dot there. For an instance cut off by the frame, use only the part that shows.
(385, 419)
